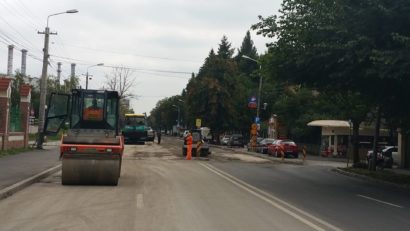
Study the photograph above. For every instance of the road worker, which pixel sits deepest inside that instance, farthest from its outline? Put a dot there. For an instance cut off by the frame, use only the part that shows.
(159, 136)
(188, 140)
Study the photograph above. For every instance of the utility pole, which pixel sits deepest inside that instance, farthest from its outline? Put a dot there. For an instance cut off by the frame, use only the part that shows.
(58, 76)
(86, 81)
(43, 82)
(43, 88)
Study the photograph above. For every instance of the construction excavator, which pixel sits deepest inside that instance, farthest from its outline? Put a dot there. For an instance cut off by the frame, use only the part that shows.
(91, 149)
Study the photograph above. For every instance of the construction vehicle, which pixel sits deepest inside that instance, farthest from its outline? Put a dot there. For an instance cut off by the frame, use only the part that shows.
(136, 129)
(91, 150)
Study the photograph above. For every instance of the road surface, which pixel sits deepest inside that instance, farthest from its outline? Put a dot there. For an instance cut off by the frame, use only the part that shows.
(158, 190)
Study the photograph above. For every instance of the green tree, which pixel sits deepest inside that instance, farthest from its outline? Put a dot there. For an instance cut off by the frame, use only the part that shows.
(15, 89)
(352, 48)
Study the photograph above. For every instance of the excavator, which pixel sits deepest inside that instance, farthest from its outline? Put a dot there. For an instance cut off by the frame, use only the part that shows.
(91, 149)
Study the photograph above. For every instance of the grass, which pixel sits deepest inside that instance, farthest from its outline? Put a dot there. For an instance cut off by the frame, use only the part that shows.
(13, 151)
(33, 137)
(383, 175)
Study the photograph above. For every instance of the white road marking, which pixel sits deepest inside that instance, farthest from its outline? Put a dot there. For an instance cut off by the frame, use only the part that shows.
(270, 199)
(140, 201)
(383, 202)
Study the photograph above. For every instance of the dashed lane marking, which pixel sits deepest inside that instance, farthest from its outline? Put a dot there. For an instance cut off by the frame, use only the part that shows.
(379, 201)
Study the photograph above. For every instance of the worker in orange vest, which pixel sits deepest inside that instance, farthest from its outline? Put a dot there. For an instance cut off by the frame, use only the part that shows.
(188, 139)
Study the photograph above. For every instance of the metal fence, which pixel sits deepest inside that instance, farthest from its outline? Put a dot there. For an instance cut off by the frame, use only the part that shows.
(15, 119)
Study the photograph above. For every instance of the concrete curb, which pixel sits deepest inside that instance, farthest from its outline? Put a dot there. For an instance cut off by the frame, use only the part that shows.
(266, 157)
(370, 179)
(6, 192)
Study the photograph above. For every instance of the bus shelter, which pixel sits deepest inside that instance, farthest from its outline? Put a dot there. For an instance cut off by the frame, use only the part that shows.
(335, 137)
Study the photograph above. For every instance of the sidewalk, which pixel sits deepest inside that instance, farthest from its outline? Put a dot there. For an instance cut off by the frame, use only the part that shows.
(19, 167)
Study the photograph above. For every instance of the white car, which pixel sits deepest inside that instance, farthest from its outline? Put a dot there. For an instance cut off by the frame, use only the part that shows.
(150, 134)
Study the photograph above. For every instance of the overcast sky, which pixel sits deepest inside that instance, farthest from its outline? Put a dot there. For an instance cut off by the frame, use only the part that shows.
(163, 40)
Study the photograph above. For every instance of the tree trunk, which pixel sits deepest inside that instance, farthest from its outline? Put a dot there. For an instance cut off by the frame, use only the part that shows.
(372, 164)
(356, 159)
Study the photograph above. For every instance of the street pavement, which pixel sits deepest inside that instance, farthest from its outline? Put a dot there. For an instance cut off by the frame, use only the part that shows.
(18, 167)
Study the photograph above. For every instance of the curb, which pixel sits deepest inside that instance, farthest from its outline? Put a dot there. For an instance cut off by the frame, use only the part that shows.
(369, 179)
(298, 162)
(10, 190)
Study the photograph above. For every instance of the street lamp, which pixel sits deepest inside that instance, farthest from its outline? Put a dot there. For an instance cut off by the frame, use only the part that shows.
(43, 82)
(86, 80)
(260, 82)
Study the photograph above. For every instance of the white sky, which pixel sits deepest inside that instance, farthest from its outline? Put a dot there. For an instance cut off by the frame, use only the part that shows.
(149, 35)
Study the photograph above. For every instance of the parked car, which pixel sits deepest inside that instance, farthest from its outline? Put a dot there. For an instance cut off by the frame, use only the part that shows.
(264, 144)
(225, 139)
(150, 134)
(236, 140)
(289, 148)
(386, 156)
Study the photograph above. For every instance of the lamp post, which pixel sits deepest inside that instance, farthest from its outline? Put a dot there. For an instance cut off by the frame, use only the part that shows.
(260, 83)
(86, 76)
(43, 81)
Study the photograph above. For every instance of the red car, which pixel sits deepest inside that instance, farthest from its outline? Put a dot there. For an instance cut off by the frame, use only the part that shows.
(288, 146)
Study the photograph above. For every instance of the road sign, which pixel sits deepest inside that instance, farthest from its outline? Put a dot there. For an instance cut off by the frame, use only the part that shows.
(257, 120)
(252, 103)
(198, 123)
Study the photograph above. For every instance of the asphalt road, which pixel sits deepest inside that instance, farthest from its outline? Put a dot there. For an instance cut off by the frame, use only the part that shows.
(158, 190)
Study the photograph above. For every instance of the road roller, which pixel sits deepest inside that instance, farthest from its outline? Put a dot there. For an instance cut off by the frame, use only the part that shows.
(91, 148)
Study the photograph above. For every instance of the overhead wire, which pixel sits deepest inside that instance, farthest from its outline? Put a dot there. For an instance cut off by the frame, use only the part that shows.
(137, 55)
(29, 12)
(23, 16)
(18, 32)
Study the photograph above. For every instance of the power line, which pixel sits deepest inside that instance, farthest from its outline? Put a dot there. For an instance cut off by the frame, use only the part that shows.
(21, 15)
(29, 42)
(152, 70)
(27, 9)
(137, 55)
(132, 68)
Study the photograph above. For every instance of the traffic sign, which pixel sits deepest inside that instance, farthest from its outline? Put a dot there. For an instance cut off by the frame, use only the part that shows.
(257, 120)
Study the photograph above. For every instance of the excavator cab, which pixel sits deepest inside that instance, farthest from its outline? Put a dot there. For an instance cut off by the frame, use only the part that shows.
(91, 150)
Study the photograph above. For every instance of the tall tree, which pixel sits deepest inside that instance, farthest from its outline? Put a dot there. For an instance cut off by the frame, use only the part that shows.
(211, 94)
(225, 51)
(247, 48)
(351, 47)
